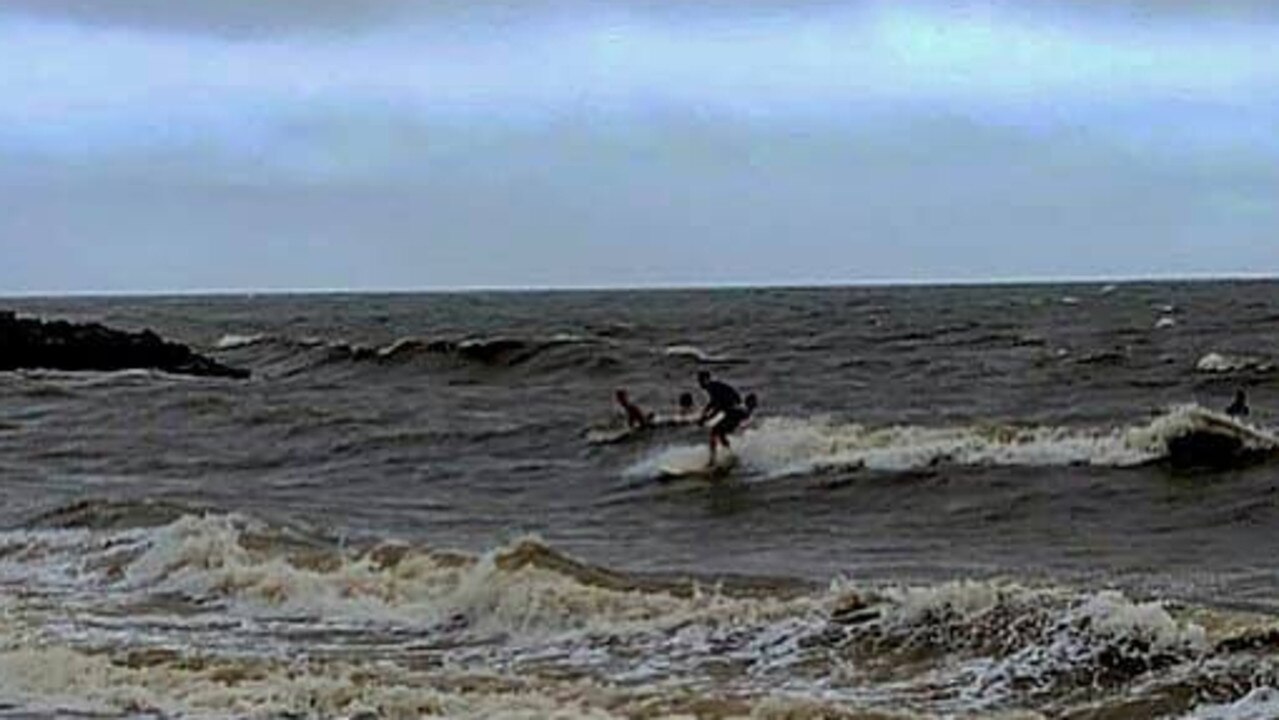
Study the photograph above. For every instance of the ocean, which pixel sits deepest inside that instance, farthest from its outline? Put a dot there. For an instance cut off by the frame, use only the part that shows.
(953, 502)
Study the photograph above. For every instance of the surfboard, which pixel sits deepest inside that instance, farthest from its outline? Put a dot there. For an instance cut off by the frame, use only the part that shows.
(724, 465)
(610, 435)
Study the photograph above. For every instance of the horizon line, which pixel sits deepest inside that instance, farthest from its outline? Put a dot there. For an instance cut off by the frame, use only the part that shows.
(653, 287)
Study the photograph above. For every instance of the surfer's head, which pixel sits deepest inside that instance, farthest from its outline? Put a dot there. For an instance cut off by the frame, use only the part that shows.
(751, 402)
(686, 400)
(622, 396)
(703, 377)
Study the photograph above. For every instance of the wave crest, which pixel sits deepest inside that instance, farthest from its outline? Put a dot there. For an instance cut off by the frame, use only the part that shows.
(791, 446)
(1219, 363)
(280, 355)
(190, 603)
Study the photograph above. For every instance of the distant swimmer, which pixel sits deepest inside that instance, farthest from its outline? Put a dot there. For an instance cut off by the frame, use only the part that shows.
(727, 403)
(1239, 408)
(635, 417)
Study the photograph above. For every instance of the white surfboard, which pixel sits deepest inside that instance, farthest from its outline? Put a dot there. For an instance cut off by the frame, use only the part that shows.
(611, 435)
(700, 469)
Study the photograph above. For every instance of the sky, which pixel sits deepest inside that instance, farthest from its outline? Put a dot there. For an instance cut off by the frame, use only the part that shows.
(193, 145)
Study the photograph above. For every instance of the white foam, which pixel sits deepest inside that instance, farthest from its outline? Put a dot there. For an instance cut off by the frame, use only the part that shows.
(780, 446)
(55, 680)
(1110, 614)
(399, 346)
(1021, 637)
(232, 341)
(1215, 362)
(519, 607)
(662, 461)
(1261, 703)
(698, 354)
(1164, 323)
(206, 557)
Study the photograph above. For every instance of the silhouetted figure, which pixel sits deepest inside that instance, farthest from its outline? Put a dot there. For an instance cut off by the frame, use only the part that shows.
(1239, 408)
(686, 410)
(635, 417)
(727, 403)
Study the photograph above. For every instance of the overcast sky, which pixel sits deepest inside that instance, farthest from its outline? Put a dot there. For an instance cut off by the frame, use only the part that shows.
(150, 145)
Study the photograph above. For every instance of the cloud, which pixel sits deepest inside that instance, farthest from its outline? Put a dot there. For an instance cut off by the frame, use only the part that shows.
(86, 82)
(217, 17)
(239, 18)
(149, 145)
(690, 203)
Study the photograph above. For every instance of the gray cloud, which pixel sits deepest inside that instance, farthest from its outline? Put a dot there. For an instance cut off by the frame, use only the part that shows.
(221, 17)
(670, 155)
(247, 18)
(669, 203)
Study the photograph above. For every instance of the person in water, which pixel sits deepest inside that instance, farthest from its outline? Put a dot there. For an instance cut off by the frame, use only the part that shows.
(726, 402)
(1239, 408)
(686, 412)
(635, 417)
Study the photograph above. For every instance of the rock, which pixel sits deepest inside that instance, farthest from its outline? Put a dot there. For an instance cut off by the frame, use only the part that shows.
(1208, 450)
(60, 345)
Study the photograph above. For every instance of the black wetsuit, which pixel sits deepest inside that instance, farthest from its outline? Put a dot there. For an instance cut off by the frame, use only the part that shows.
(723, 396)
(728, 402)
(731, 420)
(1238, 408)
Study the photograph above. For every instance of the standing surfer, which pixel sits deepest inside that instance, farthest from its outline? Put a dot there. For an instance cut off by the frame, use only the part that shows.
(1238, 408)
(725, 401)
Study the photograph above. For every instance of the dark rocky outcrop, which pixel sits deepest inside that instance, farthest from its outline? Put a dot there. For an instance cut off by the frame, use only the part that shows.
(1205, 449)
(61, 345)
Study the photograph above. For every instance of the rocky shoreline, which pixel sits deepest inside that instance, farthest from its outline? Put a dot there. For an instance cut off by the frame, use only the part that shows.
(29, 343)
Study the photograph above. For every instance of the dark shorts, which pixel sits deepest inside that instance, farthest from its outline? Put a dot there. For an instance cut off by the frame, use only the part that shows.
(730, 421)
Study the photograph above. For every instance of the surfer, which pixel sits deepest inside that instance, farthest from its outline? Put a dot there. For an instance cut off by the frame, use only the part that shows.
(635, 417)
(1238, 408)
(727, 403)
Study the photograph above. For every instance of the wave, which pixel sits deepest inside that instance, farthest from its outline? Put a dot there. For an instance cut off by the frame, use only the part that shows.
(281, 355)
(232, 341)
(1215, 362)
(208, 612)
(699, 355)
(159, 548)
(286, 356)
(1184, 435)
(1259, 704)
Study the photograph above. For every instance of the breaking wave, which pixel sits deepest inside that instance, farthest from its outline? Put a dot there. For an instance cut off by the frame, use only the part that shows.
(1215, 362)
(699, 355)
(208, 613)
(230, 342)
(792, 446)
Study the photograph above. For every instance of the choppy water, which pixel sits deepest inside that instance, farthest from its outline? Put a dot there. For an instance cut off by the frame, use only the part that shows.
(954, 502)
